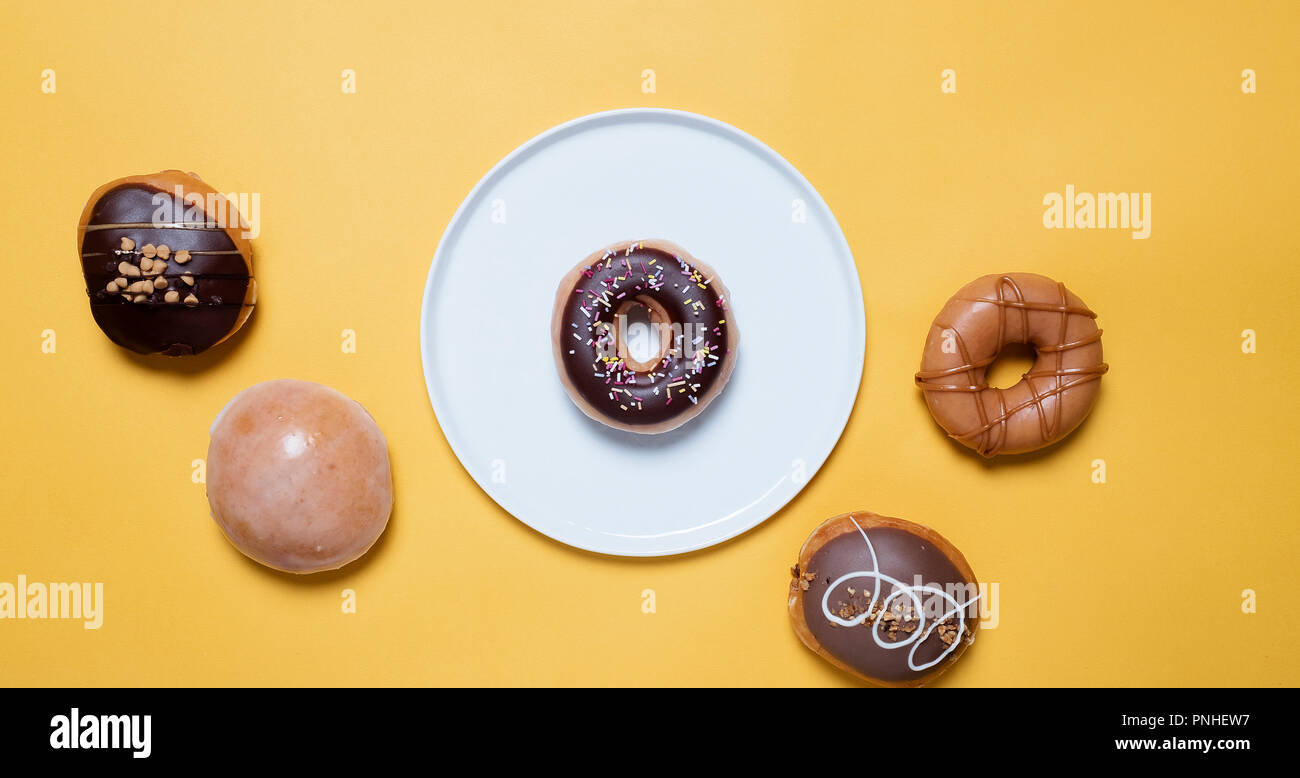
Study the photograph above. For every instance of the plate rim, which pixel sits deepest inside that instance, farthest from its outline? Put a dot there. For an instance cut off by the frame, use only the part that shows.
(520, 151)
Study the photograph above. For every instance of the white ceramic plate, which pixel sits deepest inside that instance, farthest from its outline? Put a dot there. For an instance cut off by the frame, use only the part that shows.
(485, 332)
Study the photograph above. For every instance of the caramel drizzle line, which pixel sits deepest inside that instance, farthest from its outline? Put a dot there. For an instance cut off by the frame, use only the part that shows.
(990, 444)
(152, 226)
(113, 253)
(196, 276)
(179, 306)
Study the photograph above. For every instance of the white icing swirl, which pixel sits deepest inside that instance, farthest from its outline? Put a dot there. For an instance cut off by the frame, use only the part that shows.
(921, 633)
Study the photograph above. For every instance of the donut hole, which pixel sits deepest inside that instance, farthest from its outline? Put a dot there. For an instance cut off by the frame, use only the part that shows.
(642, 339)
(641, 333)
(1014, 360)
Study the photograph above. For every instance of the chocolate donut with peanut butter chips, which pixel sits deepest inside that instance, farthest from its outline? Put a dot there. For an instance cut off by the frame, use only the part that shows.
(167, 262)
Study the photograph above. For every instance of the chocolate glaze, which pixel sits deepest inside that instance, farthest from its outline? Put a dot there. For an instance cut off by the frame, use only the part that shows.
(156, 327)
(903, 556)
(667, 390)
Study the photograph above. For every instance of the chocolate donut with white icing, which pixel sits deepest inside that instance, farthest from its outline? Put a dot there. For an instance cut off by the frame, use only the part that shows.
(690, 336)
(888, 600)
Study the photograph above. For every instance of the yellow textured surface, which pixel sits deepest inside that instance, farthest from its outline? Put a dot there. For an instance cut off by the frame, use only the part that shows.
(1135, 581)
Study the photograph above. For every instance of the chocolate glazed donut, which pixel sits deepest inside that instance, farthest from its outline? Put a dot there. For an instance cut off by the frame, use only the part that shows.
(888, 600)
(685, 302)
(1050, 401)
(165, 275)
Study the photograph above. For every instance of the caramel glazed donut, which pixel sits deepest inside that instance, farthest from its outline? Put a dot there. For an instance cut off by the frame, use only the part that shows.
(683, 299)
(1050, 400)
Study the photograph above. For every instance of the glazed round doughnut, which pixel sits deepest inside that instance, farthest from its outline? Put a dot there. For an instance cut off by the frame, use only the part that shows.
(969, 333)
(690, 337)
(298, 476)
(888, 600)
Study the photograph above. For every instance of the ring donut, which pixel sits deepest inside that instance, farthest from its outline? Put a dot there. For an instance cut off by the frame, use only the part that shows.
(686, 307)
(1050, 401)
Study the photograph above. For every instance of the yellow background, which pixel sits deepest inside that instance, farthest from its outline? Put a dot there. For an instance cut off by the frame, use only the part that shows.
(1137, 581)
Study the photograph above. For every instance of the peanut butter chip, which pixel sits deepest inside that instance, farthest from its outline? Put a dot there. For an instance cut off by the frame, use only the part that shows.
(191, 300)
(149, 250)
(182, 256)
(172, 296)
(163, 251)
(128, 244)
